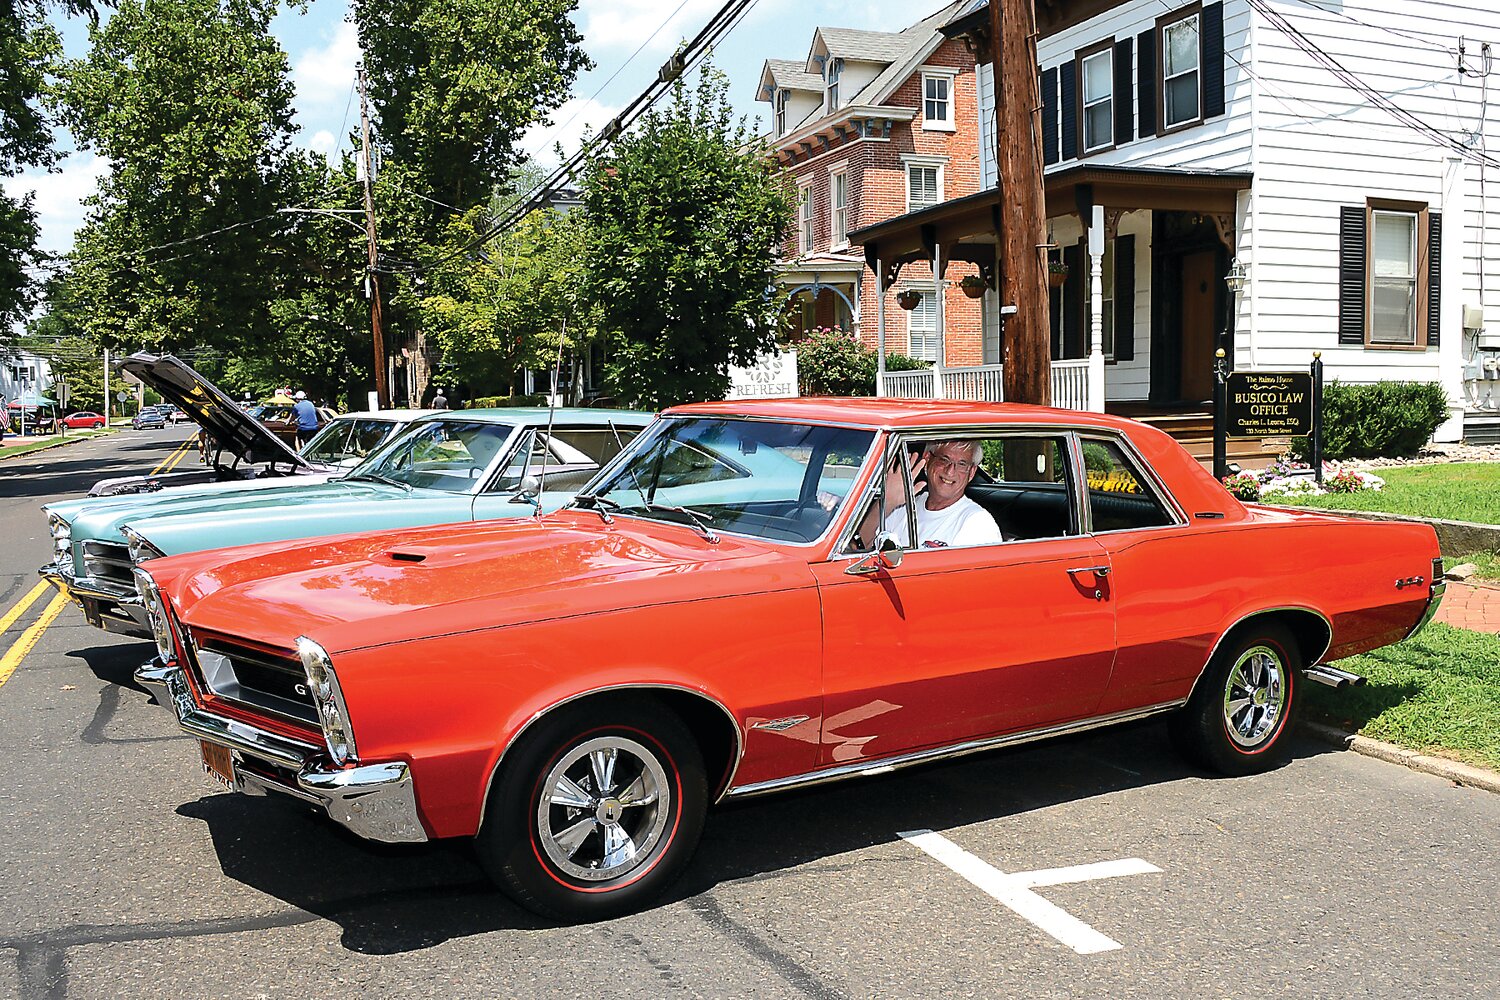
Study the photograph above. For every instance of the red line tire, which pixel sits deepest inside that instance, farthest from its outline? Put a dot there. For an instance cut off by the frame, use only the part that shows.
(596, 811)
(1239, 716)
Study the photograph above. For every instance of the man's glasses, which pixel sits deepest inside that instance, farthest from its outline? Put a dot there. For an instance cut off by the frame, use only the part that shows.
(943, 462)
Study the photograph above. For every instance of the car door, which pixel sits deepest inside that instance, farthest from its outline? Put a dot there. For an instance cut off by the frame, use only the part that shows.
(963, 643)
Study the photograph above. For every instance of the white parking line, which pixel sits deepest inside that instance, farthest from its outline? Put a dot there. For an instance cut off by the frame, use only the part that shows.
(1014, 890)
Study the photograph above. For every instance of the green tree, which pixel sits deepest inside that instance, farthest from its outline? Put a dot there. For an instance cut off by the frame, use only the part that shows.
(190, 102)
(686, 218)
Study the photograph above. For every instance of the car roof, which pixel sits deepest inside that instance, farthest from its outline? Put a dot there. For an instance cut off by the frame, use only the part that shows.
(395, 414)
(899, 413)
(539, 415)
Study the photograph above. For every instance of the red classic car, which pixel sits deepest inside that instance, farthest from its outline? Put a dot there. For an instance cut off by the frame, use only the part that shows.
(745, 600)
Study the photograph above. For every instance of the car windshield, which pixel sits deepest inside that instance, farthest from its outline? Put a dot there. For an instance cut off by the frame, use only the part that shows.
(343, 440)
(779, 481)
(447, 455)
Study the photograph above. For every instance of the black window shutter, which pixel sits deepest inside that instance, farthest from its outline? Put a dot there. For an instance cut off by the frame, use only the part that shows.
(1145, 74)
(1352, 274)
(1074, 323)
(1055, 307)
(1124, 116)
(1124, 298)
(1069, 80)
(1434, 277)
(1212, 55)
(1049, 116)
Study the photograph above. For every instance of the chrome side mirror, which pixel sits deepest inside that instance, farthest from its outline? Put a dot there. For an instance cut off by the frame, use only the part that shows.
(531, 486)
(887, 555)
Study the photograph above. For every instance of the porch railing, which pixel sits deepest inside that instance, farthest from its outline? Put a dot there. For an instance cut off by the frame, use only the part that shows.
(984, 383)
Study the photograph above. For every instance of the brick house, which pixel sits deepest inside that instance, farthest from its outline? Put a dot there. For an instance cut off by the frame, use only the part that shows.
(870, 126)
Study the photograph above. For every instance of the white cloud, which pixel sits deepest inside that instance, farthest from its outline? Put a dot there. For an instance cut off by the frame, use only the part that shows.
(324, 77)
(625, 24)
(577, 116)
(322, 142)
(59, 197)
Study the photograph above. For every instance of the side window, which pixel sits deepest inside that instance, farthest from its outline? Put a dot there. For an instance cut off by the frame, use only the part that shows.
(1119, 497)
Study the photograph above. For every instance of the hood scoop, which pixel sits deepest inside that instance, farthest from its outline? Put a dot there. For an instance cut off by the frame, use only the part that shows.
(411, 557)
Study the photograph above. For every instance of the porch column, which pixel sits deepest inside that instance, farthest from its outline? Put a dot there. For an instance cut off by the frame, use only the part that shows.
(942, 323)
(879, 327)
(1096, 310)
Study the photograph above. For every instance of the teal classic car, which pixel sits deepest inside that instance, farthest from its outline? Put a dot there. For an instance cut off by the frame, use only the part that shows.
(457, 465)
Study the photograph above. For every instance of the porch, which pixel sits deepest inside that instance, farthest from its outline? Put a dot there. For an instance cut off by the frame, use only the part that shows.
(985, 383)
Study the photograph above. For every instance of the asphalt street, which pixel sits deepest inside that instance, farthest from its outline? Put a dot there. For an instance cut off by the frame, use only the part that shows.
(124, 873)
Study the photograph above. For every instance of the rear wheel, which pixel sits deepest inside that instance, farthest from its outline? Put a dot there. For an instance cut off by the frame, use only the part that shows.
(596, 811)
(1245, 703)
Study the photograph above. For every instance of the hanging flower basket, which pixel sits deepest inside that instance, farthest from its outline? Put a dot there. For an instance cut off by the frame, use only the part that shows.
(908, 299)
(973, 286)
(1057, 274)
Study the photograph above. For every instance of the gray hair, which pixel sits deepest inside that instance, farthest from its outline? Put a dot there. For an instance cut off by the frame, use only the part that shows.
(976, 448)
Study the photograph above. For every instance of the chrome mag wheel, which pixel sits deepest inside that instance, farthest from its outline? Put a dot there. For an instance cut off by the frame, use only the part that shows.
(603, 809)
(1255, 696)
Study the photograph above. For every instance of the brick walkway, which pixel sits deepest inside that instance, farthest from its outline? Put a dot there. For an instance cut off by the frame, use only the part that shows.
(1473, 607)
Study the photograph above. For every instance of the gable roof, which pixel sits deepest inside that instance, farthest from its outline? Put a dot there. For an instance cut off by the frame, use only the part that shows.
(786, 74)
(861, 46)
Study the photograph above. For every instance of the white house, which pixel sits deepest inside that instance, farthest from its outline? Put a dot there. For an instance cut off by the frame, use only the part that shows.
(24, 374)
(1336, 154)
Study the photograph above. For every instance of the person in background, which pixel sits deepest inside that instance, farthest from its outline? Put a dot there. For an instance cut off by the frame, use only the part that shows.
(307, 417)
(439, 401)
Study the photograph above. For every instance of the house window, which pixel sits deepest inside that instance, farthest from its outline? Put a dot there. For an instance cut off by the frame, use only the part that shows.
(1096, 81)
(1392, 278)
(781, 112)
(924, 185)
(1179, 70)
(937, 101)
(804, 218)
(921, 327)
(835, 69)
(838, 184)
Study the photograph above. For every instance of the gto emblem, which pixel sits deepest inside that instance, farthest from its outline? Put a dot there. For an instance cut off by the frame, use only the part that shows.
(300, 689)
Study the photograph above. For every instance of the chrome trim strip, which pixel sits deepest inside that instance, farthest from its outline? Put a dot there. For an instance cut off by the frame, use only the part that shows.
(1265, 611)
(1437, 589)
(882, 765)
(734, 765)
(1154, 482)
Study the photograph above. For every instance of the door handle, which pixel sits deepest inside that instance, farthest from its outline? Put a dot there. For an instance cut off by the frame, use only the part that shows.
(1100, 571)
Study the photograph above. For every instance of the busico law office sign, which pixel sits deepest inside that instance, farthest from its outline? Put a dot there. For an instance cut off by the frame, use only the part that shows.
(1270, 404)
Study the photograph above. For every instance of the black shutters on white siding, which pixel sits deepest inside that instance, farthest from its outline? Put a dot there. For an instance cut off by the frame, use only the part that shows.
(1124, 113)
(1145, 74)
(1049, 116)
(1124, 298)
(1212, 54)
(1068, 79)
(1434, 277)
(1074, 323)
(1352, 274)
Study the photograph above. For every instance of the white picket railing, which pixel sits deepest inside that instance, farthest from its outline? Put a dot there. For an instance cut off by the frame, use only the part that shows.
(984, 383)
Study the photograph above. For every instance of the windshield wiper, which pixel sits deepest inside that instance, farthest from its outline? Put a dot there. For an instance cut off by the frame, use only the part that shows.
(699, 519)
(602, 505)
(375, 477)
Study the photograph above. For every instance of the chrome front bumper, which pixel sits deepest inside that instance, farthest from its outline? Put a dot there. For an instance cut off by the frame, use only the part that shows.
(375, 801)
(122, 614)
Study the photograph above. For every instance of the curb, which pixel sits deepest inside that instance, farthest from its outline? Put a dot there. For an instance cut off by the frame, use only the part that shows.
(55, 444)
(1455, 538)
(1459, 774)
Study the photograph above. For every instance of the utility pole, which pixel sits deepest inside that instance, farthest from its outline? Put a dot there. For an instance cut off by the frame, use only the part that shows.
(1027, 373)
(106, 387)
(372, 280)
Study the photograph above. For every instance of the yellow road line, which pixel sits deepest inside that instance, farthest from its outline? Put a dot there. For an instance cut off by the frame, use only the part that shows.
(17, 653)
(185, 452)
(20, 607)
(176, 453)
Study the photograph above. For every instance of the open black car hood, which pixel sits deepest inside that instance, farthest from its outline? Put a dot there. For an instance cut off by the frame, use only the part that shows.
(234, 431)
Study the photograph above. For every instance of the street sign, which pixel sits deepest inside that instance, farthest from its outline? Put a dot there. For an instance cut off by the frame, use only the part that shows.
(1270, 404)
(121, 396)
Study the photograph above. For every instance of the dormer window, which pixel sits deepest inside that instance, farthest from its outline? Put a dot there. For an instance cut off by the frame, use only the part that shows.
(835, 68)
(781, 112)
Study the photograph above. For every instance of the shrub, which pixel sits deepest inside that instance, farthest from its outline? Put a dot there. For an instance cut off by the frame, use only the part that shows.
(485, 402)
(1347, 481)
(1384, 420)
(1243, 486)
(836, 363)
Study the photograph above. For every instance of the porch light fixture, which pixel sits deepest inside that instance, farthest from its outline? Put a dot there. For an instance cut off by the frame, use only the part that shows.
(1237, 275)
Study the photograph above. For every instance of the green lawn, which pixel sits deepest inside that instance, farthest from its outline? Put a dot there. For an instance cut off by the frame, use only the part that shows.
(1458, 491)
(1487, 564)
(1438, 693)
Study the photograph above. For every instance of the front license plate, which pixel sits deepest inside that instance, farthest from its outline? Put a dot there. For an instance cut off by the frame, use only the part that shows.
(217, 762)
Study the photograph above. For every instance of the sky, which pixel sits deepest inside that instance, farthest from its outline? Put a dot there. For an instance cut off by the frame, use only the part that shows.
(627, 40)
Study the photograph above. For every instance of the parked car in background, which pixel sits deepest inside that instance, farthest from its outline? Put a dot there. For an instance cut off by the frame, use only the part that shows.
(453, 466)
(91, 555)
(574, 691)
(84, 420)
(150, 417)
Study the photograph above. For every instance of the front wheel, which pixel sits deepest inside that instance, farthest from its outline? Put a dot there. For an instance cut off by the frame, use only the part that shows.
(596, 811)
(1237, 720)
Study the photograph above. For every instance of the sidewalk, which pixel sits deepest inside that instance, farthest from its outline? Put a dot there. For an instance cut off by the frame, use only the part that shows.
(1471, 606)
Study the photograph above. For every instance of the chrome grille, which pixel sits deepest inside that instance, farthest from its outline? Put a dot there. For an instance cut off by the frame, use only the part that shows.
(109, 563)
(254, 677)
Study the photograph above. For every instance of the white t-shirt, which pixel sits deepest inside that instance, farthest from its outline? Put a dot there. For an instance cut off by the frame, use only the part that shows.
(961, 523)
